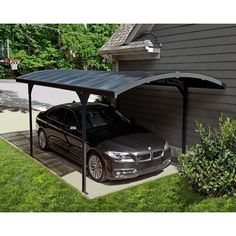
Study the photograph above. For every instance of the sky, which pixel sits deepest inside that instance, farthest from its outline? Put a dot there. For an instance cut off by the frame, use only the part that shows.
(108, 11)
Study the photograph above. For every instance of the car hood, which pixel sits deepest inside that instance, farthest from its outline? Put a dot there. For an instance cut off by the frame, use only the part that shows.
(137, 142)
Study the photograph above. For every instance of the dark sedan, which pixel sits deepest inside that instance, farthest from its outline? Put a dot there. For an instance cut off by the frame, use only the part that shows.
(116, 147)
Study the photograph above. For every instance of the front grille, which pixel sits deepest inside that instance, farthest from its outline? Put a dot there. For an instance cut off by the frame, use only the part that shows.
(157, 154)
(144, 157)
(141, 157)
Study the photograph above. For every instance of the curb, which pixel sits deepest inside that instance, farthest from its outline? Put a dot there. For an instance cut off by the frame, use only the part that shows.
(7, 81)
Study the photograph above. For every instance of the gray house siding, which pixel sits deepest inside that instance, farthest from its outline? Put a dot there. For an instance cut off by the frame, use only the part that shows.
(203, 49)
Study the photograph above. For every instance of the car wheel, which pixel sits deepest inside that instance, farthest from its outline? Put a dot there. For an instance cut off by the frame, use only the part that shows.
(42, 140)
(96, 168)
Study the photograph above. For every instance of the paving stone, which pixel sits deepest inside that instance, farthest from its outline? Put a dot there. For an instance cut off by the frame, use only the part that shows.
(45, 158)
(26, 148)
(15, 138)
(27, 135)
(50, 162)
(9, 135)
(61, 169)
(19, 142)
(24, 132)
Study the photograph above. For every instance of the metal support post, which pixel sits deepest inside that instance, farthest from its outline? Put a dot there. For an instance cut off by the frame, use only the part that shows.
(84, 99)
(184, 119)
(30, 87)
(184, 91)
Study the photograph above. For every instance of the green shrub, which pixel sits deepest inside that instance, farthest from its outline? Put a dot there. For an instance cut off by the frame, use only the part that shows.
(5, 72)
(210, 167)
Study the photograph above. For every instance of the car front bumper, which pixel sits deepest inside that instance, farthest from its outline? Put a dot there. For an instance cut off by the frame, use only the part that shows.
(118, 170)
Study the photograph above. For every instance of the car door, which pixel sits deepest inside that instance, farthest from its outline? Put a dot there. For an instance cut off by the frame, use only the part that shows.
(56, 137)
(73, 134)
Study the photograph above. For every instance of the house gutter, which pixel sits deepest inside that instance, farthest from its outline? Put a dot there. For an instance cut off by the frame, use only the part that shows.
(124, 50)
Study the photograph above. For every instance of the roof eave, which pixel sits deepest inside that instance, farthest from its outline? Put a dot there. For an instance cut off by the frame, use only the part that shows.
(125, 50)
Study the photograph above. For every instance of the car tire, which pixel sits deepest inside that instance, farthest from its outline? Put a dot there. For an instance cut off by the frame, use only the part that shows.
(42, 140)
(96, 167)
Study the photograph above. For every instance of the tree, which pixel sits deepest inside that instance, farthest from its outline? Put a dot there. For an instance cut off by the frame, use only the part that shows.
(81, 43)
(47, 46)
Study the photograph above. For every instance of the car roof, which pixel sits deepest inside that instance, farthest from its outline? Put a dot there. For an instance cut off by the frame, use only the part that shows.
(76, 106)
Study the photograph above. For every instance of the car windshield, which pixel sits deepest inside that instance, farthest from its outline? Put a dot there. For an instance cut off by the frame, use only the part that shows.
(104, 116)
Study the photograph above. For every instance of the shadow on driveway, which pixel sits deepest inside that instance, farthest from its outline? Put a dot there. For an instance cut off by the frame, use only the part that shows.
(10, 100)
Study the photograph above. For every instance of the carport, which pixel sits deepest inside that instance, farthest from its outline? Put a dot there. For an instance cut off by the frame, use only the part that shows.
(112, 84)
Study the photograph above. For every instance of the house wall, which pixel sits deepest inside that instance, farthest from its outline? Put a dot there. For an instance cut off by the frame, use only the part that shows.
(203, 48)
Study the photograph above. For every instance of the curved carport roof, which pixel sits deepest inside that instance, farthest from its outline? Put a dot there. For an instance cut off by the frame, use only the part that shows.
(112, 84)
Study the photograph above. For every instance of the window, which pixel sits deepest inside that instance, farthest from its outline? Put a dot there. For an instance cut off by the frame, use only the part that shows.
(70, 118)
(96, 118)
(57, 114)
(103, 117)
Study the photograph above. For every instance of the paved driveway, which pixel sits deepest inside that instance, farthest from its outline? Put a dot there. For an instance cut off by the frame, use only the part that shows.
(71, 172)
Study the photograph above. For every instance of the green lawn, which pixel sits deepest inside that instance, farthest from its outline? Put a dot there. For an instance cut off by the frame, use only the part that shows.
(27, 186)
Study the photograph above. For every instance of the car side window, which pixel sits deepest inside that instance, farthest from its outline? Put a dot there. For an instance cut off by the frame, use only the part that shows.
(88, 124)
(57, 114)
(96, 118)
(70, 119)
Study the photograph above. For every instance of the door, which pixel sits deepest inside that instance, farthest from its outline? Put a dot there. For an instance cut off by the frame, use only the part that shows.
(73, 134)
(56, 128)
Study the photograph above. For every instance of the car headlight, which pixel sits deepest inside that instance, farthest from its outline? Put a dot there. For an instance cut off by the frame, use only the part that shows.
(166, 146)
(118, 155)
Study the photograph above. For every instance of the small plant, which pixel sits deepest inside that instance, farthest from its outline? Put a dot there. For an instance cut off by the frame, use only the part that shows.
(210, 167)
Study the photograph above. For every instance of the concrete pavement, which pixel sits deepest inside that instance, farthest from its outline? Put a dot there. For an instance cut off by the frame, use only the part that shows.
(15, 121)
(95, 189)
(15, 94)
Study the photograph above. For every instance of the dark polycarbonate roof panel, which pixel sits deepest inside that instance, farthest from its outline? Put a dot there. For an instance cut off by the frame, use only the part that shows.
(112, 84)
(94, 82)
